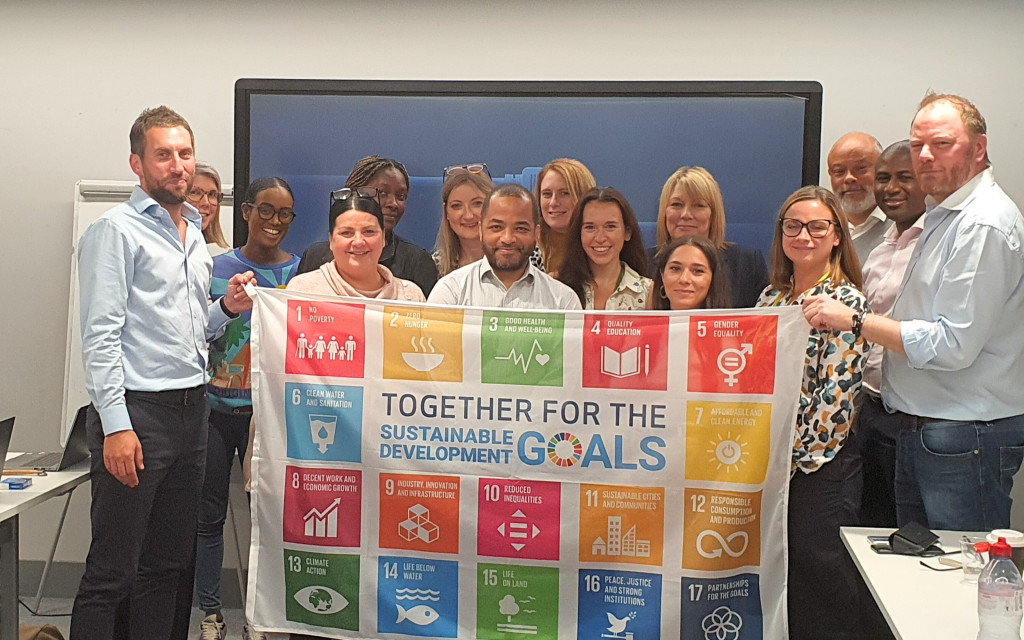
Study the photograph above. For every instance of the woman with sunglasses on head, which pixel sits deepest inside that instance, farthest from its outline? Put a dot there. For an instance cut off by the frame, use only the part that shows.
(691, 204)
(560, 184)
(689, 276)
(268, 209)
(465, 189)
(403, 258)
(605, 262)
(357, 241)
(205, 195)
(813, 255)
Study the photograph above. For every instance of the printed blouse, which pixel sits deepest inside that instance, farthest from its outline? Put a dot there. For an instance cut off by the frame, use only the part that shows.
(832, 377)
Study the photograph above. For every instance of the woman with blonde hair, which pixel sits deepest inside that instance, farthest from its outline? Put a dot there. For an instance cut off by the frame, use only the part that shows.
(462, 200)
(205, 195)
(560, 185)
(691, 204)
(813, 255)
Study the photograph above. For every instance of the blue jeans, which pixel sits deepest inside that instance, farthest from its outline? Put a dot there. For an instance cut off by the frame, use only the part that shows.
(229, 433)
(958, 475)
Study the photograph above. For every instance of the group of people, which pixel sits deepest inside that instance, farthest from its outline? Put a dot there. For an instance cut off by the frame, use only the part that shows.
(907, 410)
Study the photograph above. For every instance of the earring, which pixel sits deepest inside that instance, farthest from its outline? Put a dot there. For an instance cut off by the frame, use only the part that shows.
(661, 292)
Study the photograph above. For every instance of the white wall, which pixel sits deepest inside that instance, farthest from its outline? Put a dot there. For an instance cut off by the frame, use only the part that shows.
(75, 75)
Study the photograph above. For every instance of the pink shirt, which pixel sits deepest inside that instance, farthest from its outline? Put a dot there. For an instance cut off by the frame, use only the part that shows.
(883, 275)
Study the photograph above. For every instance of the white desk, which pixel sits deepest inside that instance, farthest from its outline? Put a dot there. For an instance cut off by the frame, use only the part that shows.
(13, 504)
(918, 603)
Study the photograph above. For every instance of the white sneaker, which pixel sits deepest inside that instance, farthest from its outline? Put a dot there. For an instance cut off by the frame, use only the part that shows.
(249, 634)
(213, 628)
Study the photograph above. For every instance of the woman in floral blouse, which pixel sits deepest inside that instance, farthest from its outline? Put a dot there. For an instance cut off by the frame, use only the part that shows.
(605, 262)
(812, 255)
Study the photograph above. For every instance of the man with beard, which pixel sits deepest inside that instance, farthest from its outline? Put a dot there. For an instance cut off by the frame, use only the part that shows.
(899, 196)
(851, 168)
(954, 347)
(144, 276)
(504, 277)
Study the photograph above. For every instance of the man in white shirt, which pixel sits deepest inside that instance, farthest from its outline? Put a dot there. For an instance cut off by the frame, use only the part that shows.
(851, 168)
(504, 277)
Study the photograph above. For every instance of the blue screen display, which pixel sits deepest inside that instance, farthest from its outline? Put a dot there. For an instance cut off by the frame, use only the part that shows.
(753, 145)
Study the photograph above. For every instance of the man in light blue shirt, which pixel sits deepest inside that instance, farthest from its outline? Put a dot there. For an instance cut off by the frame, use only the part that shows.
(144, 278)
(954, 348)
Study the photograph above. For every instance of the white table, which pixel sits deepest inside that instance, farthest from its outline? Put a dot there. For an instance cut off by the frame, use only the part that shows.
(12, 505)
(917, 602)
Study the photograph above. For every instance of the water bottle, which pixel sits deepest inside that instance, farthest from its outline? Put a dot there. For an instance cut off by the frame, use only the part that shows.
(1000, 591)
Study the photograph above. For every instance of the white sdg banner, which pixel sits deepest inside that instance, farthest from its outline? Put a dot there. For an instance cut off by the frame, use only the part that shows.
(442, 472)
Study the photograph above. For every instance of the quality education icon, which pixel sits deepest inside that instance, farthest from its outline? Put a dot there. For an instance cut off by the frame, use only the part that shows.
(625, 352)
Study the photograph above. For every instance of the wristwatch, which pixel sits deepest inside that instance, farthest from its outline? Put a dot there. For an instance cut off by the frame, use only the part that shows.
(858, 323)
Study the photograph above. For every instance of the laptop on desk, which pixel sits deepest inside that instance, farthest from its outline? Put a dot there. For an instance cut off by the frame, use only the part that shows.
(76, 450)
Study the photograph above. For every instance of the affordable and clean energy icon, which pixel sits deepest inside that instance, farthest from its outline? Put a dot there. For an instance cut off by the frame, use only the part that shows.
(732, 362)
(722, 624)
(322, 430)
(525, 361)
(423, 356)
(728, 451)
(617, 626)
(508, 608)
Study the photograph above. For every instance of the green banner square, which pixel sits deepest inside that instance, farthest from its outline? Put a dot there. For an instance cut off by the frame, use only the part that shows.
(322, 589)
(516, 602)
(522, 348)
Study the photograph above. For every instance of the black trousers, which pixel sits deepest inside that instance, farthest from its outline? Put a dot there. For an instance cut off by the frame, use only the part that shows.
(143, 537)
(825, 591)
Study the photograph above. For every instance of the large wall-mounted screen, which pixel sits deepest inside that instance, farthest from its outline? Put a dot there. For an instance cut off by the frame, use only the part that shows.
(761, 141)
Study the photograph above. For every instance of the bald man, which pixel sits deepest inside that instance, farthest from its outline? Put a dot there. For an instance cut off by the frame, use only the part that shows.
(851, 168)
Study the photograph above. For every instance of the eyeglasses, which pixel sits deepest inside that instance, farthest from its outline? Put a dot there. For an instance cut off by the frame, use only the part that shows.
(791, 228)
(479, 167)
(267, 212)
(355, 192)
(195, 196)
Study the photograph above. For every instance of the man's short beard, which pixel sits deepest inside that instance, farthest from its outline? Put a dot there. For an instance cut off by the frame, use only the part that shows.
(496, 266)
(163, 196)
(858, 206)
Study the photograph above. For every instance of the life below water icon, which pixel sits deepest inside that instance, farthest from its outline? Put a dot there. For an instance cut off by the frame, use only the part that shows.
(322, 430)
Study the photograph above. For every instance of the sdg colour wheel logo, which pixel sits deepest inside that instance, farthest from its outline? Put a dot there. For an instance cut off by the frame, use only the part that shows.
(565, 449)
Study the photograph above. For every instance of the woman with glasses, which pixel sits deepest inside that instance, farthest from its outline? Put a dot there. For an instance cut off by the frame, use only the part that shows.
(560, 184)
(605, 262)
(357, 241)
(691, 205)
(689, 276)
(268, 209)
(813, 255)
(403, 258)
(465, 189)
(206, 195)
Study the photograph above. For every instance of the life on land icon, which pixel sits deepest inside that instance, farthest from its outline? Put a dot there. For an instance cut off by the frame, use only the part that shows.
(510, 607)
